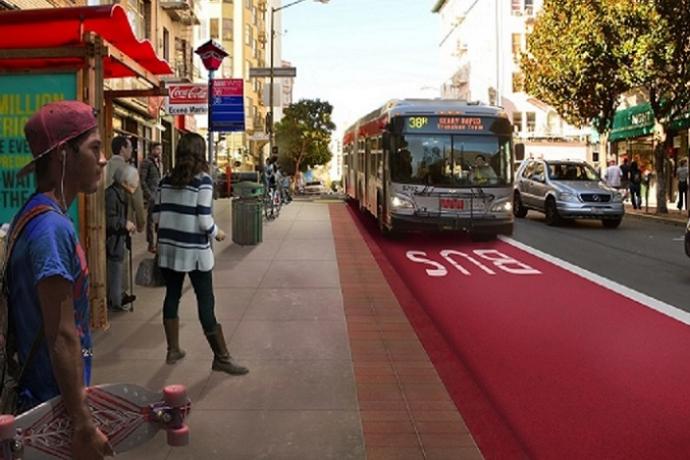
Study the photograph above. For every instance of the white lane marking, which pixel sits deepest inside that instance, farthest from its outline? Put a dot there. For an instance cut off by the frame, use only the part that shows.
(655, 304)
(679, 239)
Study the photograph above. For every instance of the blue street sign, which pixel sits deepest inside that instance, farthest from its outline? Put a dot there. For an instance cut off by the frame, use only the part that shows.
(227, 105)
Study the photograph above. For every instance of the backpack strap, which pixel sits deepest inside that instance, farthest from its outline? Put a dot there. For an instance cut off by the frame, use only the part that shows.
(16, 230)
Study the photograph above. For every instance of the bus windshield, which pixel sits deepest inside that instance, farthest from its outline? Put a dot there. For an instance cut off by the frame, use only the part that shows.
(452, 160)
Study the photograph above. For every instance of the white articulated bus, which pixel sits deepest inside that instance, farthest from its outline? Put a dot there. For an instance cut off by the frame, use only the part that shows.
(419, 164)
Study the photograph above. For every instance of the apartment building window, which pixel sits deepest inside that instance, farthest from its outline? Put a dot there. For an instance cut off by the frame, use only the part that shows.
(247, 34)
(213, 26)
(247, 3)
(182, 58)
(166, 44)
(516, 46)
(136, 12)
(227, 29)
(517, 122)
(516, 6)
(529, 7)
(229, 2)
(531, 122)
(518, 82)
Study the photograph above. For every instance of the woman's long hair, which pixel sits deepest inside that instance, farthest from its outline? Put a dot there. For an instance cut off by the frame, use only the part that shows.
(190, 159)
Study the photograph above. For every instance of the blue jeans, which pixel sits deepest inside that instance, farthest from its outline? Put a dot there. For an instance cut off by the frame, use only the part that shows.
(202, 282)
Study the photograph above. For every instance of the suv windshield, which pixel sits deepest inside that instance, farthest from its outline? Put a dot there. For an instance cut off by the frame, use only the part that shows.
(572, 171)
(452, 160)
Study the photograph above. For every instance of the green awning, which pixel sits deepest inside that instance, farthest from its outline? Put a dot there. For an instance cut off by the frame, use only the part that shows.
(636, 121)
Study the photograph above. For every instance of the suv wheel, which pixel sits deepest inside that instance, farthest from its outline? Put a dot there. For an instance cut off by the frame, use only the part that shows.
(551, 212)
(518, 209)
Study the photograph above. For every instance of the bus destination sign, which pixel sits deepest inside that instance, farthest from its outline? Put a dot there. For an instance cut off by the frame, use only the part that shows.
(457, 124)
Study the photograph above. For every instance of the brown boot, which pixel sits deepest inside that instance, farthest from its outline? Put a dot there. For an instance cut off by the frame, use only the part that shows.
(222, 361)
(172, 336)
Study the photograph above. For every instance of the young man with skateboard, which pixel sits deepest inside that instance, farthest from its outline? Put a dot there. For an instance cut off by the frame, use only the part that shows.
(47, 273)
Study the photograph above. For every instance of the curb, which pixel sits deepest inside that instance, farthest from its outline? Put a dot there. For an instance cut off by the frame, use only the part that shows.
(661, 219)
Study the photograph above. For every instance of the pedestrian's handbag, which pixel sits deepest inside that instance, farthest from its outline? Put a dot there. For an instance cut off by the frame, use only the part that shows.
(149, 273)
(11, 372)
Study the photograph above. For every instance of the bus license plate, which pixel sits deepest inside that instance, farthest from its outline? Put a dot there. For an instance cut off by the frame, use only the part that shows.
(452, 203)
(458, 204)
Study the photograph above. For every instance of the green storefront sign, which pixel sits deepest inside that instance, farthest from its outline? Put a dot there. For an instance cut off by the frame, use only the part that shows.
(638, 121)
(20, 97)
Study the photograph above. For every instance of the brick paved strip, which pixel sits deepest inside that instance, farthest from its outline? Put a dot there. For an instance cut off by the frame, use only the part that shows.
(405, 409)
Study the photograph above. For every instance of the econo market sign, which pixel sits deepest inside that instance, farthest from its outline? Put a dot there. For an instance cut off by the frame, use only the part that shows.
(187, 99)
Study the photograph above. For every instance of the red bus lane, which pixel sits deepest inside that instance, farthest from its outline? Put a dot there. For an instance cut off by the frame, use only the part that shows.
(575, 369)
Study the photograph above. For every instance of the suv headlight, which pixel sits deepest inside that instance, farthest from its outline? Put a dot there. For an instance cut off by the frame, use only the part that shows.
(617, 197)
(567, 196)
(401, 202)
(505, 206)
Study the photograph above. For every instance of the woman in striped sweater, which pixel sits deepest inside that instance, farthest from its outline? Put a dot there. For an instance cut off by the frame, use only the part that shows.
(185, 229)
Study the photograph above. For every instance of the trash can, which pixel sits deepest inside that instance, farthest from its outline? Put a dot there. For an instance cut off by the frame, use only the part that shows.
(247, 221)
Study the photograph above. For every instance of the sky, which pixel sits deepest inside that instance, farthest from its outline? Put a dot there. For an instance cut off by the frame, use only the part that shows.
(358, 54)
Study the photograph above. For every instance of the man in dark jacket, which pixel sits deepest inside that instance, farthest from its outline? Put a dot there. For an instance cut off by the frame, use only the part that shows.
(118, 229)
(150, 174)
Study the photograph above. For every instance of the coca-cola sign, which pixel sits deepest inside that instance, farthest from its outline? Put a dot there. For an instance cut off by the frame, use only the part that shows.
(187, 99)
(188, 93)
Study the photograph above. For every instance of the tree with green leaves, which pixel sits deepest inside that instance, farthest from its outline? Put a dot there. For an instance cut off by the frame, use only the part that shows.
(303, 135)
(585, 54)
(661, 66)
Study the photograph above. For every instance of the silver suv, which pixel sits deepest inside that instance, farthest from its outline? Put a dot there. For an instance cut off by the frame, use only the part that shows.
(565, 189)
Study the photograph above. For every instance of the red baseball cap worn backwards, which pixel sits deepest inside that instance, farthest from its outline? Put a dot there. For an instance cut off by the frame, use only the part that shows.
(53, 125)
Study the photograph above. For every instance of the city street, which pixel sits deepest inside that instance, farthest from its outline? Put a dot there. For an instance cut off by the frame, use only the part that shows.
(644, 255)
(572, 364)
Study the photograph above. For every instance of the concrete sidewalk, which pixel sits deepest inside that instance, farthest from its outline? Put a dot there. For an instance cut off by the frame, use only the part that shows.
(281, 308)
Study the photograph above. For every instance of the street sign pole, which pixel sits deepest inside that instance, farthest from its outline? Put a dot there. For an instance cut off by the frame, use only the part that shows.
(210, 110)
(269, 124)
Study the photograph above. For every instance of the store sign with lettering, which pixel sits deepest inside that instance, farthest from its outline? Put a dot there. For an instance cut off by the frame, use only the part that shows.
(187, 99)
(20, 97)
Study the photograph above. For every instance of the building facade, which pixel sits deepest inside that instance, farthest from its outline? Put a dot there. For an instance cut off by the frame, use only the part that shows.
(481, 45)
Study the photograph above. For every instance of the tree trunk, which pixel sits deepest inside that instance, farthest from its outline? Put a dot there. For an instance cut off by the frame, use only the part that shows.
(298, 173)
(603, 151)
(661, 171)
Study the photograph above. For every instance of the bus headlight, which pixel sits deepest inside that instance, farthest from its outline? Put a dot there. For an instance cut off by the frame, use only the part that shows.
(401, 202)
(505, 206)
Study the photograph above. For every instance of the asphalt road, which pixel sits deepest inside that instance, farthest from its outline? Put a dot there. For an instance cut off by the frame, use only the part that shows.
(644, 255)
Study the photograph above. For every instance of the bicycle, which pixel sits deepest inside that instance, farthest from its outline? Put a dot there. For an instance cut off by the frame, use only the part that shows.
(272, 203)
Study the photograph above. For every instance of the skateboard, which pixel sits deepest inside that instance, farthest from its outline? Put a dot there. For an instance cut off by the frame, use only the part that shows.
(129, 415)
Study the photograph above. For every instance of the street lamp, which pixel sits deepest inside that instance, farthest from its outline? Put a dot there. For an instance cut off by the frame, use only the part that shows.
(212, 55)
(269, 121)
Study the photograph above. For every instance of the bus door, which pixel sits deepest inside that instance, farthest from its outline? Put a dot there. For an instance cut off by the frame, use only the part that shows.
(371, 167)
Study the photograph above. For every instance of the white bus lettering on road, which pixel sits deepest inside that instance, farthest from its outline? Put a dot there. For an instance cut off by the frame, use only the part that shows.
(447, 253)
(496, 258)
(420, 258)
(506, 263)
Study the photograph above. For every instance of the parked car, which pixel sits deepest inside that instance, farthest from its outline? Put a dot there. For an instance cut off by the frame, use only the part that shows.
(569, 189)
(313, 188)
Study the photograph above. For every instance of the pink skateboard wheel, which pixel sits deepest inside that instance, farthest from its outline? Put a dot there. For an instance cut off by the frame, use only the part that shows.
(178, 437)
(175, 395)
(7, 428)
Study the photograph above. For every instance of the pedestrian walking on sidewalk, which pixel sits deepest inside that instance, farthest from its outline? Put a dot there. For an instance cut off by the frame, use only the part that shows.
(183, 212)
(635, 185)
(118, 228)
(613, 175)
(47, 275)
(682, 183)
(150, 174)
